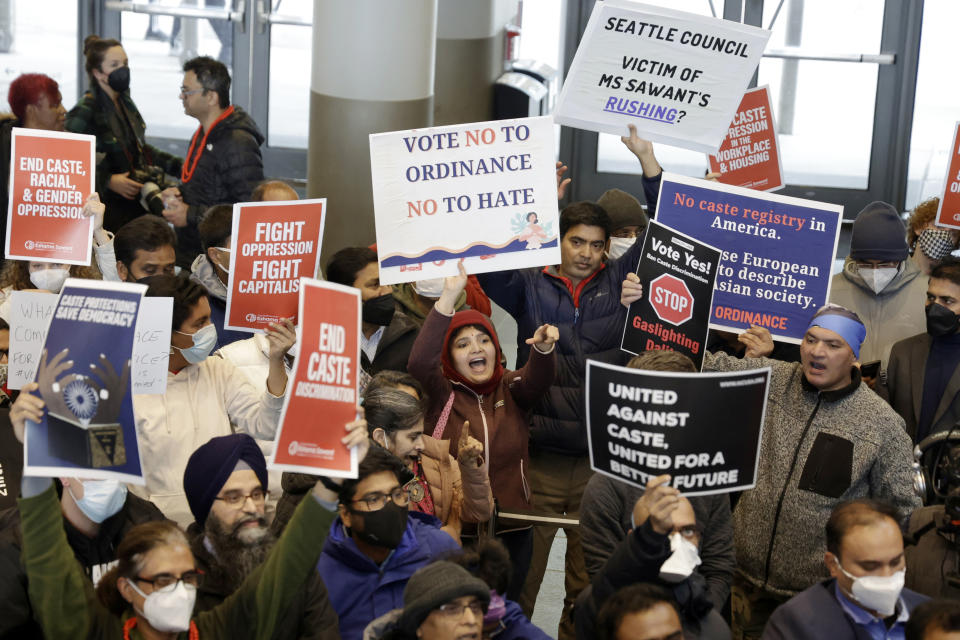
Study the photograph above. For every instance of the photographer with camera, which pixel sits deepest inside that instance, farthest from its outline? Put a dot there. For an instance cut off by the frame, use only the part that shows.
(130, 167)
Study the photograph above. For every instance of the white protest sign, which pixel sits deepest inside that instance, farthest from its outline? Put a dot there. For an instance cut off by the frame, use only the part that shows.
(151, 346)
(484, 191)
(30, 313)
(677, 76)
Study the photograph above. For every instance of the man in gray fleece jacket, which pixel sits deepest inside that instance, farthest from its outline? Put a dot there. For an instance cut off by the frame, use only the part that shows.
(826, 439)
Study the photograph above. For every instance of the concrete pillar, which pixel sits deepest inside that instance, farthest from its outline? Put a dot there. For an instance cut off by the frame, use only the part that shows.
(373, 64)
(470, 35)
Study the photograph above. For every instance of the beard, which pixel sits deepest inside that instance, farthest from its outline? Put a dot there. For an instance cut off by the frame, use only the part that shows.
(240, 549)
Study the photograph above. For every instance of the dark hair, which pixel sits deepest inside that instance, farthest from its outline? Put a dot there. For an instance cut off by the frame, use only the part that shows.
(377, 460)
(636, 598)
(260, 191)
(143, 233)
(388, 379)
(662, 360)
(3, 325)
(215, 226)
(131, 556)
(212, 76)
(856, 513)
(27, 88)
(489, 560)
(185, 292)
(942, 614)
(391, 410)
(948, 269)
(347, 263)
(95, 49)
(587, 213)
(536, 218)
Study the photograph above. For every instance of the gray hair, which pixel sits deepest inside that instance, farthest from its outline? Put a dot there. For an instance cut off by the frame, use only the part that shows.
(391, 410)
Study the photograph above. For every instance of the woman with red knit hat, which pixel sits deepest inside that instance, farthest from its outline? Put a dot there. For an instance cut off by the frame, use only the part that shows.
(458, 360)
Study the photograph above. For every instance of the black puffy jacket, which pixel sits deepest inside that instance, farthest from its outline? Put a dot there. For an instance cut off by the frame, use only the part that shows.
(229, 168)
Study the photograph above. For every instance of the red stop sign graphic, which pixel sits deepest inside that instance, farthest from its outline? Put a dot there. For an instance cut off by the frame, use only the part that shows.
(671, 299)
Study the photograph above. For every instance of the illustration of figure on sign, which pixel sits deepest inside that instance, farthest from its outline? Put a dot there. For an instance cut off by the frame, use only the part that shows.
(533, 234)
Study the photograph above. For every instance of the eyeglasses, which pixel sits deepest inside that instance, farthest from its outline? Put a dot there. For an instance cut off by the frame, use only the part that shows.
(377, 500)
(236, 499)
(184, 92)
(167, 582)
(456, 609)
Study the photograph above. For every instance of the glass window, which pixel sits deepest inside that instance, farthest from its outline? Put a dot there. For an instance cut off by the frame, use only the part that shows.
(157, 47)
(824, 141)
(290, 60)
(937, 102)
(25, 24)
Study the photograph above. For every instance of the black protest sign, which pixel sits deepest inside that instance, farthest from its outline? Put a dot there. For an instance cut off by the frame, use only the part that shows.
(701, 428)
(677, 273)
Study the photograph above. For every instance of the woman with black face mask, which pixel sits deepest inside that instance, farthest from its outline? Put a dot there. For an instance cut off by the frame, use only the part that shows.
(107, 111)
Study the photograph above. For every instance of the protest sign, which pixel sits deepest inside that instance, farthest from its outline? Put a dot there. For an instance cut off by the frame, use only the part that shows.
(88, 429)
(677, 76)
(151, 346)
(749, 156)
(777, 257)
(677, 273)
(11, 468)
(274, 245)
(948, 214)
(323, 393)
(465, 191)
(51, 175)
(30, 313)
(642, 424)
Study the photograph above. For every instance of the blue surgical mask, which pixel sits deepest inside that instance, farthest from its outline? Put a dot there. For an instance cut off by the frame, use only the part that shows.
(101, 498)
(204, 340)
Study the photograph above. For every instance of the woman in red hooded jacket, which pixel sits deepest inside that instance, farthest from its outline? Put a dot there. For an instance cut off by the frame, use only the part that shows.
(458, 360)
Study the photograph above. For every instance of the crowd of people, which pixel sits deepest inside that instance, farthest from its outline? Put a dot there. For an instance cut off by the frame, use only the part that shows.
(467, 468)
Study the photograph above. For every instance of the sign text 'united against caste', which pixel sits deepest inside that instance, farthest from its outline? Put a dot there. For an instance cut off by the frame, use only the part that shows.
(483, 191)
(274, 245)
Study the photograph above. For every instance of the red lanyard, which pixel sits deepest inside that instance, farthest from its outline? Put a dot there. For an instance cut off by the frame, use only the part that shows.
(132, 622)
(187, 171)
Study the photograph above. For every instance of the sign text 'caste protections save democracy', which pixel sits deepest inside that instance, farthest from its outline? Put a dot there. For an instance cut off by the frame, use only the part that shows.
(485, 192)
(677, 76)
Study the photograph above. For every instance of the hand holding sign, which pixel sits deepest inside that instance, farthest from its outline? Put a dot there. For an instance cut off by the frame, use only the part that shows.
(657, 503)
(452, 286)
(643, 149)
(469, 449)
(27, 407)
(758, 340)
(631, 290)
(562, 183)
(281, 337)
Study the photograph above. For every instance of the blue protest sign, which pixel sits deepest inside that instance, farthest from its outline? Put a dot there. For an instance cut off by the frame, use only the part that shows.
(777, 255)
(88, 429)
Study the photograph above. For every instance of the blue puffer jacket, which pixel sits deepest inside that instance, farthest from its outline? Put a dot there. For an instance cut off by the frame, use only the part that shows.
(590, 319)
(358, 589)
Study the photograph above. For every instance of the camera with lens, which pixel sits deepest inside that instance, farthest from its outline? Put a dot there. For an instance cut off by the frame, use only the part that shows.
(154, 180)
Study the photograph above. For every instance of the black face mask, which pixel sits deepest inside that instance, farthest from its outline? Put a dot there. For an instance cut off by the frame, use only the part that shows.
(941, 321)
(383, 528)
(119, 79)
(379, 310)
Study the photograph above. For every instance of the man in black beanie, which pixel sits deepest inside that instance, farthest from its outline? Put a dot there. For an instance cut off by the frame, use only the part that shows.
(880, 284)
(226, 483)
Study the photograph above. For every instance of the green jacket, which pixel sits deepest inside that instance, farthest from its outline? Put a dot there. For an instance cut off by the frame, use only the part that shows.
(65, 603)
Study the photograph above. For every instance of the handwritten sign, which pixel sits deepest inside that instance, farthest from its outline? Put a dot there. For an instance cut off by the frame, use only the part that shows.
(51, 175)
(472, 191)
(151, 346)
(750, 154)
(677, 76)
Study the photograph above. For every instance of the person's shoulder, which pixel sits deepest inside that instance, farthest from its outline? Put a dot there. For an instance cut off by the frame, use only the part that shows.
(906, 344)
(431, 538)
(911, 598)
(816, 599)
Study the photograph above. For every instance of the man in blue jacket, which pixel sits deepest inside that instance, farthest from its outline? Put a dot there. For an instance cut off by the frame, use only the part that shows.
(580, 296)
(865, 597)
(375, 545)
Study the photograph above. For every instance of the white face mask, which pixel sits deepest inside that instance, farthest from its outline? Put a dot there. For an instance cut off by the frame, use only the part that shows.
(878, 593)
(169, 611)
(619, 246)
(429, 288)
(681, 563)
(878, 279)
(101, 498)
(49, 279)
(204, 340)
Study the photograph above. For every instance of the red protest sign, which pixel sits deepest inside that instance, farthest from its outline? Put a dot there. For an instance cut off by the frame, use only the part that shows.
(273, 246)
(51, 175)
(750, 154)
(948, 215)
(323, 394)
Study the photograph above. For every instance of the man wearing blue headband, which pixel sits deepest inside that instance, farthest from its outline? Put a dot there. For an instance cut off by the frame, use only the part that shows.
(826, 439)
